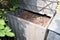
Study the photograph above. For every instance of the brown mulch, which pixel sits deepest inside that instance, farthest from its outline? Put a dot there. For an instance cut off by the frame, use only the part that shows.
(35, 18)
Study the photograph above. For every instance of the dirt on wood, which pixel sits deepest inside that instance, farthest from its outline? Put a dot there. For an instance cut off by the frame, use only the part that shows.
(35, 18)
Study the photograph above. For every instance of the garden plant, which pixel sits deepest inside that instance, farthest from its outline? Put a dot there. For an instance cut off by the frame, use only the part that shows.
(6, 6)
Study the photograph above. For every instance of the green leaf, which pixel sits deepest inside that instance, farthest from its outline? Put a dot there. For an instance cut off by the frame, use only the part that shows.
(12, 9)
(10, 34)
(2, 33)
(2, 22)
(5, 11)
(1, 26)
(0, 12)
(2, 9)
(0, 39)
(7, 29)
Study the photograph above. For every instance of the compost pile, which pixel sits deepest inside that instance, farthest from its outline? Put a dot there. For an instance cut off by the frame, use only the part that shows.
(35, 18)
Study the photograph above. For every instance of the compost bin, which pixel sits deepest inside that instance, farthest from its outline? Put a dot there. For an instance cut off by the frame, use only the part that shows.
(28, 25)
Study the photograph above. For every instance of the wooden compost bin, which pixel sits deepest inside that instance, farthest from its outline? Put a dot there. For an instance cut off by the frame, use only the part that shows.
(28, 25)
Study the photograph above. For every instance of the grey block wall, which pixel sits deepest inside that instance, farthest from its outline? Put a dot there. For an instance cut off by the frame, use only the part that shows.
(40, 6)
(53, 36)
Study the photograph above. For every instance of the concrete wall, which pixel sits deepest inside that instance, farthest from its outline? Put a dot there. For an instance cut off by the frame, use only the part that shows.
(40, 6)
(53, 36)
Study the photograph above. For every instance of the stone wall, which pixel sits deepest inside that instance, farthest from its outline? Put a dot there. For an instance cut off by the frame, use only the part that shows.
(39, 6)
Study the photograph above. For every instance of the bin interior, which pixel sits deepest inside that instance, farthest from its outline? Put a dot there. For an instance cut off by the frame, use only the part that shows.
(39, 19)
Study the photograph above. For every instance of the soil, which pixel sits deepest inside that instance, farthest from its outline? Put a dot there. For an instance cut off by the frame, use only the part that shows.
(35, 18)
